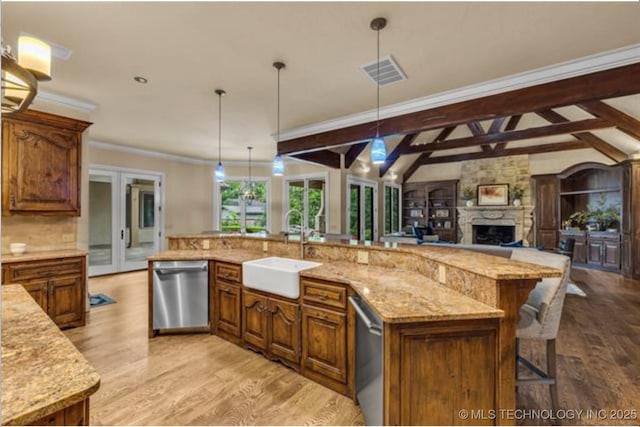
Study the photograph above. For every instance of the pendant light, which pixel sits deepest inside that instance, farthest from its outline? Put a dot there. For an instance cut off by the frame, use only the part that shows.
(278, 162)
(378, 147)
(220, 176)
(248, 194)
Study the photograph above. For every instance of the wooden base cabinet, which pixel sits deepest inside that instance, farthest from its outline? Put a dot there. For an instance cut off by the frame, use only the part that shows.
(57, 285)
(272, 326)
(74, 415)
(328, 335)
(433, 370)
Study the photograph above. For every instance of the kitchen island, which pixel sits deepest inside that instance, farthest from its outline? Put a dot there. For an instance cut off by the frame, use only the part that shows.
(449, 319)
(45, 379)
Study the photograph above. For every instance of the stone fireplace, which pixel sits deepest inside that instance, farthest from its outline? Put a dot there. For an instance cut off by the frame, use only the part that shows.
(519, 218)
(493, 234)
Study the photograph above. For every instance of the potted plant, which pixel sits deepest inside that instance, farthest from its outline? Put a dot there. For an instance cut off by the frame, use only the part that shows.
(516, 195)
(467, 196)
(579, 219)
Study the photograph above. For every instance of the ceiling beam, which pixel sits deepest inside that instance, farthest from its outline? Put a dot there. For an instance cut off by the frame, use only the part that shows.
(623, 121)
(512, 124)
(442, 136)
(322, 157)
(407, 140)
(354, 151)
(536, 149)
(615, 82)
(596, 142)
(496, 125)
(514, 135)
(477, 130)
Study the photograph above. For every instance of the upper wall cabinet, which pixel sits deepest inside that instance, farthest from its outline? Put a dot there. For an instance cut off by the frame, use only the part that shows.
(41, 159)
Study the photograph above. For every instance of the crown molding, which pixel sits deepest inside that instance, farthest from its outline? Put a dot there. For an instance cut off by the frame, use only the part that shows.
(174, 157)
(67, 101)
(586, 65)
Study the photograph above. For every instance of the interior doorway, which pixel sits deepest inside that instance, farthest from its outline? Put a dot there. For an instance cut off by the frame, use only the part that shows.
(125, 219)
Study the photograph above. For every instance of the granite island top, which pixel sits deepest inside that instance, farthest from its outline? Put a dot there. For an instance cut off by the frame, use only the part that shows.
(490, 266)
(400, 296)
(42, 255)
(42, 371)
(237, 256)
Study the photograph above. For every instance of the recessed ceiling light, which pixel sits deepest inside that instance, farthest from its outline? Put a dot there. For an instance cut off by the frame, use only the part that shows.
(140, 79)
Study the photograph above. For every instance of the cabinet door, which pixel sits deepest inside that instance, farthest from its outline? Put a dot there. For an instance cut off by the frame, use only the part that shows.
(594, 253)
(38, 290)
(228, 300)
(41, 165)
(324, 342)
(284, 330)
(547, 211)
(580, 252)
(66, 300)
(255, 325)
(611, 254)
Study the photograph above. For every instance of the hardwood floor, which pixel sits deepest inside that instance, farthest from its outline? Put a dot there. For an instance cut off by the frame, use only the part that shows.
(202, 379)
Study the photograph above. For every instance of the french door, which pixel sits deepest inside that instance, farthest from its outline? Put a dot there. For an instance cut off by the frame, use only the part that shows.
(362, 209)
(125, 222)
(307, 194)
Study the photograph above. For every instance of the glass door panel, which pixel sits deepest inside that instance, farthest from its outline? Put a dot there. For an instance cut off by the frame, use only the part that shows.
(103, 226)
(295, 197)
(139, 227)
(316, 205)
(354, 211)
(231, 207)
(369, 218)
(256, 210)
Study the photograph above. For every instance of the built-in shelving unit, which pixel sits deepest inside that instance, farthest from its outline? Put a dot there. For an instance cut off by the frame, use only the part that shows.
(431, 203)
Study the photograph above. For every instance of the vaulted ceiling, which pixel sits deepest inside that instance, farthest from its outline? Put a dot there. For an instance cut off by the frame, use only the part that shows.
(187, 50)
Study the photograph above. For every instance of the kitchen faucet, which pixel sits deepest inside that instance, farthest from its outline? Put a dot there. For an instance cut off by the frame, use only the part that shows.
(286, 234)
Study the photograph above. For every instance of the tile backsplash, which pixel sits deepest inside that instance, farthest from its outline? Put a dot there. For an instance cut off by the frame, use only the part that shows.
(40, 233)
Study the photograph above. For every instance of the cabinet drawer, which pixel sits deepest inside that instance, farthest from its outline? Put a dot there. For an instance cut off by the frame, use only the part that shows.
(43, 269)
(327, 294)
(229, 272)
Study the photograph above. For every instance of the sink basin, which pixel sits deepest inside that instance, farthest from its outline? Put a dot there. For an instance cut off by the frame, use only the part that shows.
(280, 276)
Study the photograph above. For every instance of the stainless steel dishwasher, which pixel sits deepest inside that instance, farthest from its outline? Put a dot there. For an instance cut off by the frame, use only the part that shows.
(369, 361)
(180, 294)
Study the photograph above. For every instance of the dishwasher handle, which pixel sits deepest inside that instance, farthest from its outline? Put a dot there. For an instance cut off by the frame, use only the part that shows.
(169, 270)
(373, 327)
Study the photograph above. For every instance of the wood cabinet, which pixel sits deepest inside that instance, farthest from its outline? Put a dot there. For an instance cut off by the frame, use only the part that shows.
(328, 334)
(631, 214)
(434, 204)
(547, 210)
(604, 251)
(432, 370)
(272, 326)
(57, 285)
(41, 159)
(225, 290)
(74, 415)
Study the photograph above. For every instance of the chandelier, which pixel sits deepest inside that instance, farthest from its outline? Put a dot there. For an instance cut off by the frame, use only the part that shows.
(248, 193)
(20, 76)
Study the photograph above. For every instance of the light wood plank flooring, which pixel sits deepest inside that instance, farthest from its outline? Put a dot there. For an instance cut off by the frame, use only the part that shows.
(202, 379)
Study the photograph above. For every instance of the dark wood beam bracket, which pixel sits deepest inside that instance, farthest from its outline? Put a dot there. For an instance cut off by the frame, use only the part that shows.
(354, 151)
(407, 140)
(442, 136)
(322, 157)
(623, 121)
(512, 124)
(612, 83)
(596, 142)
(515, 135)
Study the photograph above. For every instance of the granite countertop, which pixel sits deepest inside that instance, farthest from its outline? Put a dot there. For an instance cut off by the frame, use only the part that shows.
(42, 255)
(400, 296)
(237, 256)
(42, 371)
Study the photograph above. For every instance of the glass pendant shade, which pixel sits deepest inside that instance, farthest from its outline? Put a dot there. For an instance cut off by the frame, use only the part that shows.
(378, 151)
(278, 166)
(220, 176)
(35, 56)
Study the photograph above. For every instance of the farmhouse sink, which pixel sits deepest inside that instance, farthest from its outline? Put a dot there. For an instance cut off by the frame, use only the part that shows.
(280, 276)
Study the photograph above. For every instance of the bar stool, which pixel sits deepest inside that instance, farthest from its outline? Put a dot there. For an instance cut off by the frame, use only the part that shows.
(540, 316)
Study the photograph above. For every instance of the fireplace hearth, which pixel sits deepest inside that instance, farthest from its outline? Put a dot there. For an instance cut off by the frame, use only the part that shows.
(493, 234)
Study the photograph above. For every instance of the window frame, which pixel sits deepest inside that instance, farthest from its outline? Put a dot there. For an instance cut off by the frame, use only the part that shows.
(306, 178)
(384, 207)
(217, 202)
(362, 182)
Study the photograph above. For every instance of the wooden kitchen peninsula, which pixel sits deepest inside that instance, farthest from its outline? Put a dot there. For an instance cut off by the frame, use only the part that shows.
(445, 311)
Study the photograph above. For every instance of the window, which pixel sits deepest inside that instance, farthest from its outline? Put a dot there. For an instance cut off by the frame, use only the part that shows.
(235, 215)
(391, 209)
(362, 210)
(307, 194)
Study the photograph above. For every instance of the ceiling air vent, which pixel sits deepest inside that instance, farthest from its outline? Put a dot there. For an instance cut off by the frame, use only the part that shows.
(390, 71)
